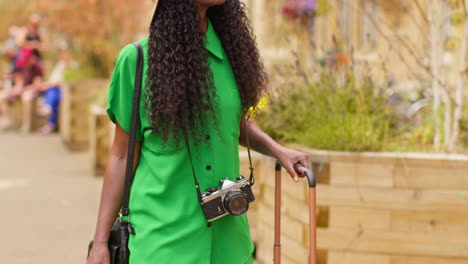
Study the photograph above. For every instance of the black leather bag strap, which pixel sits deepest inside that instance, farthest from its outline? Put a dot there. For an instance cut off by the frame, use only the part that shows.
(135, 121)
(251, 178)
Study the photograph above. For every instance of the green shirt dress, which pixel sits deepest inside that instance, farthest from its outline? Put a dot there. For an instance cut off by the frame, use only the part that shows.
(170, 226)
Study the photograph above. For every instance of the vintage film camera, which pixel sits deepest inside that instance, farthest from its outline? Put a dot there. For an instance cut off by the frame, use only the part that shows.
(230, 197)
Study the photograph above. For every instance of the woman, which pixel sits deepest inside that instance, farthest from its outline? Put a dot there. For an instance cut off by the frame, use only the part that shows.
(202, 75)
(30, 37)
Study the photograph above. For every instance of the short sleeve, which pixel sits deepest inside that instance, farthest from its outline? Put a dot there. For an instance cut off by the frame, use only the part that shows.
(120, 95)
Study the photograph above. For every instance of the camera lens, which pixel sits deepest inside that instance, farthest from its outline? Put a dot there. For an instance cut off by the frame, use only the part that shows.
(236, 203)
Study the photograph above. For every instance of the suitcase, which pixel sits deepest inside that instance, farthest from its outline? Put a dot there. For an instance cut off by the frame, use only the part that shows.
(301, 169)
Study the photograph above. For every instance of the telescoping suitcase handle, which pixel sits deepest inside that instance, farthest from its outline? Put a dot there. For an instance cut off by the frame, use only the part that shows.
(300, 168)
(308, 173)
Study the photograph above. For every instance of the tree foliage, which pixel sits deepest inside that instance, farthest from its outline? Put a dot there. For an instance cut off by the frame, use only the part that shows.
(98, 27)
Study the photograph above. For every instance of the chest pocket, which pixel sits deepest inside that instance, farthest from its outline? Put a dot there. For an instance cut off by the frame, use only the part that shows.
(155, 143)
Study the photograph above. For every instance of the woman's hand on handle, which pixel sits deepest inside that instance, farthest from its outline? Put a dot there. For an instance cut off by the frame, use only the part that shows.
(289, 157)
(99, 254)
(262, 143)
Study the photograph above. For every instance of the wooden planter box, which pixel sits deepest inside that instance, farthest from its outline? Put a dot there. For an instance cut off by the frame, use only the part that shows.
(16, 113)
(101, 135)
(376, 208)
(74, 112)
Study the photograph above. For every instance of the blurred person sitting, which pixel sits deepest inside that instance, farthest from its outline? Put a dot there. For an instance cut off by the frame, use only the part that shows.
(30, 37)
(10, 49)
(52, 92)
(26, 87)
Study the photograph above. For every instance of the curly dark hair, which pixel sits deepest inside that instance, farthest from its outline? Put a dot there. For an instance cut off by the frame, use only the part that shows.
(180, 94)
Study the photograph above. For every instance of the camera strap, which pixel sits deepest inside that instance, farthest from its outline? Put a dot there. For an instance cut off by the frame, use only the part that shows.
(197, 185)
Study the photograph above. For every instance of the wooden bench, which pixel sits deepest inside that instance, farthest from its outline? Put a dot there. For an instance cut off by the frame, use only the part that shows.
(16, 114)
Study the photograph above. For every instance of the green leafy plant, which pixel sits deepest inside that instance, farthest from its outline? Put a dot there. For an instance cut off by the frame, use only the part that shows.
(78, 74)
(330, 114)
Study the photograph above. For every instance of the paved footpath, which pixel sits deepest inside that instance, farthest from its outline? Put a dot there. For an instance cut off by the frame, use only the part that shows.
(48, 201)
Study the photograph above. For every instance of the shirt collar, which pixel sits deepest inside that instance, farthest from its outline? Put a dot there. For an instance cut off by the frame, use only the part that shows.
(213, 43)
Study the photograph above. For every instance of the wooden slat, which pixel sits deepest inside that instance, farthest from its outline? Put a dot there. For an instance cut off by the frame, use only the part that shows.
(423, 244)
(398, 159)
(363, 174)
(265, 244)
(93, 142)
(345, 257)
(356, 218)
(297, 252)
(298, 210)
(399, 220)
(294, 230)
(446, 223)
(425, 260)
(431, 178)
(266, 215)
(447, 161)
(64, 114)
(268, 196)
(388, 198)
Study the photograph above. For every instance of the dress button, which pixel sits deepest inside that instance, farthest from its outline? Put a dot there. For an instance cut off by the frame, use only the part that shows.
(207, 137)
(208, 167)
